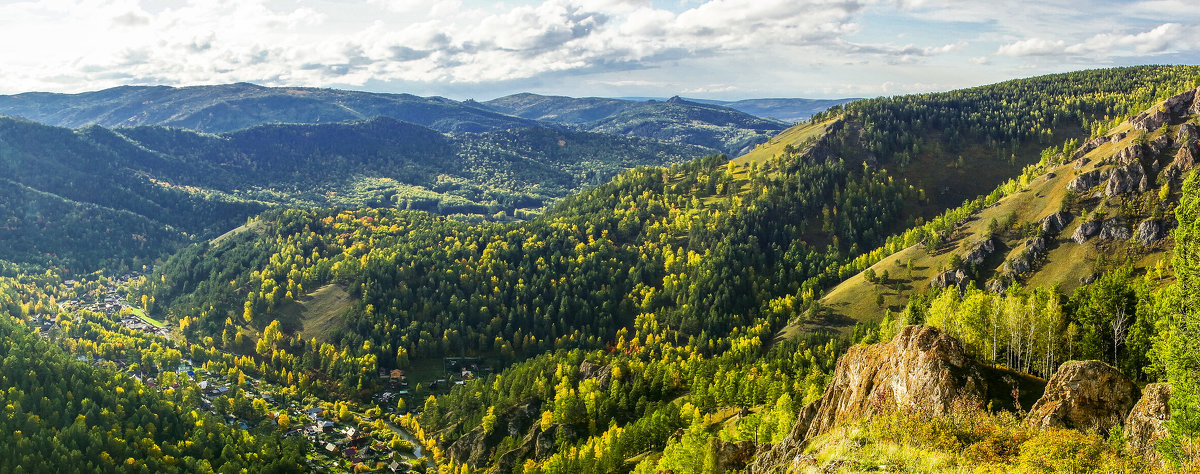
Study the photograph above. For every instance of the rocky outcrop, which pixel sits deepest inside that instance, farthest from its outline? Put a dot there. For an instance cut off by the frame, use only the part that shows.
(733, 457)
(1147, 422)
(1179, 104)
(602, 373)
(921, 368)
(1195, 108)
(1085, 231)
(950, 278)
(1151, 121)
(1081, 162)
(1185, 158)
(1114, 229)
(1088, 146)
(1150, 231)
(1128, 178)
(1159, 145)
(1083, 395)
(1054, 223)
(1129, 154)
(1084, 182)
(1023, 262)
(998, 285)
(980, 251)
(1188, 133)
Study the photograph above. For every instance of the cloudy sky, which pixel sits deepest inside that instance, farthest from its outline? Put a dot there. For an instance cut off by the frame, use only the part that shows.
(484, 49)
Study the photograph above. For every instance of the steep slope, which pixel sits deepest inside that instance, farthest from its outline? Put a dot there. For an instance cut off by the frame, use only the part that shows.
(676, 120)
(1080, 212)
(224, 108)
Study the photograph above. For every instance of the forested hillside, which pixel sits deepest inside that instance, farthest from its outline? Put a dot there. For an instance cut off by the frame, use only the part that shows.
(225, 108)
(675, 120)
(673, 282)
(661, 314)
(99, 198)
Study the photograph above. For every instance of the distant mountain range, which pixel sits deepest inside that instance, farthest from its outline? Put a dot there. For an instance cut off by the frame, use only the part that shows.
(225, 108)
(94, 196)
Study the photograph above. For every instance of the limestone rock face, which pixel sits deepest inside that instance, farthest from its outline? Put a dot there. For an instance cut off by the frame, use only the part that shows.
(1084, 182)
(1125, 179)
(1054, 223)
(950, 278)
(980, 251)
(1085, 231)
(1082, 395)
(1129, 154)
(921, 367)
(1147, 421)
(1114, 229)
(733, 457)
(1151, 121)
(1151, 231)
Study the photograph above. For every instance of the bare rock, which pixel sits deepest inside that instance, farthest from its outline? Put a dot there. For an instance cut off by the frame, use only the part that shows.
(1150, 231)
(602, 373)
(1054, 223)
(1017, 265)
(1114, 229)
(1147, 422)
(1084, 181)
(1117, 137)
(998, 285)
(1129, 154)
(1088, 146)
(1188, 133)
(1185, 158)
(1178, 105)
(980, 251)
(1151, 121)
(1082, 395)
(733, 457)
(1085, 231)
(950, 278)
(1035, 247)
(1081, 162)
(1195, 108)
(1160, 144)
(1125, 179)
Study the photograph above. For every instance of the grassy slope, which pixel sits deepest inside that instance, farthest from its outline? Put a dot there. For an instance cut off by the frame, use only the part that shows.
(316, 314)
(1066, 263)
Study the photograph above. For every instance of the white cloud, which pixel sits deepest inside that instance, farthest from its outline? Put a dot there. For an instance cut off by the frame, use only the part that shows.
(440, 45)
(1033, 47)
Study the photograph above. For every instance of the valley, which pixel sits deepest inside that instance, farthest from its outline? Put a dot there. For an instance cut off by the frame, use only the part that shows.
(906, 282)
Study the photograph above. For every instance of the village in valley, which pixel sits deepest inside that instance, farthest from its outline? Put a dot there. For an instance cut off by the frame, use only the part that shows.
(367, 436)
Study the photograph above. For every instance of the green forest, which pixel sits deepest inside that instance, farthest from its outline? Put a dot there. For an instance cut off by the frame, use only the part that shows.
(538, 300)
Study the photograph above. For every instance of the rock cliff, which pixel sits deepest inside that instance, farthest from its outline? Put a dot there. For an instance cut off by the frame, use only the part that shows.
(1147, 421)
(921, 367)
(1084, 395)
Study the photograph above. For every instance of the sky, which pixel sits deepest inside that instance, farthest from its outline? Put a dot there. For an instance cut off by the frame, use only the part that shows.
(718, 49)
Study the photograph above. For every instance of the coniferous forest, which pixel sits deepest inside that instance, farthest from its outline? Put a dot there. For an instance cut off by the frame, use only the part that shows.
(378, 295)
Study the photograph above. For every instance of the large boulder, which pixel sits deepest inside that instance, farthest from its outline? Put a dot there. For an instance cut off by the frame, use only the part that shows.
(1114, 229)
(950, 278)
(1147, 421)
(921, 367)
(1178, 105)
(1126, 179)
(980, 251)
(1083, 395)
(1084, 181)
(1150, 231)
(1054, 223)
(1129, 154)
(1152, 120)
(1085, 231)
